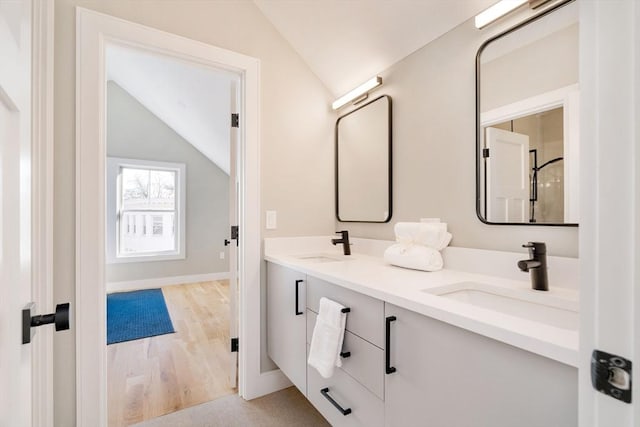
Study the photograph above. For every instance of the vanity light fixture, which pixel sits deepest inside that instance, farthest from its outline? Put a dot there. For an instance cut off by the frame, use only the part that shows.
(496, 11)
(358, 92)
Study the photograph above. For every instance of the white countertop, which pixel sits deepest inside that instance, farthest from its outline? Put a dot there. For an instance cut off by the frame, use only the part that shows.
(371, 276)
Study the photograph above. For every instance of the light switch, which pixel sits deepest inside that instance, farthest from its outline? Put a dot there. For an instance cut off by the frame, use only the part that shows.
(221, 255)
(272, 220)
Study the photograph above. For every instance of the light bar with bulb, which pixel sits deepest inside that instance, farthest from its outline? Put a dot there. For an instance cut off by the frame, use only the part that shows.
(496, 11)
(357, 92)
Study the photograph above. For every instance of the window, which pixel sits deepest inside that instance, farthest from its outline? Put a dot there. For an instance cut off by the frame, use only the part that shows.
(146, 210)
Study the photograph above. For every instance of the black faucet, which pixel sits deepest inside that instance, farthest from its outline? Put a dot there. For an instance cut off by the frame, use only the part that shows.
(537, 265)
(346, 246)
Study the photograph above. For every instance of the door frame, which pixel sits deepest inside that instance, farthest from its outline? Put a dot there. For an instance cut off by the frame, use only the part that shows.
(567, 97)
(609, 231)
(93, 31)
(42, 180)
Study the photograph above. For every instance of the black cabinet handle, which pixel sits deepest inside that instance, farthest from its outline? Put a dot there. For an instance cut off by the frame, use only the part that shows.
(345, 354)
(298, 313)
(387, 352)
(325, 393)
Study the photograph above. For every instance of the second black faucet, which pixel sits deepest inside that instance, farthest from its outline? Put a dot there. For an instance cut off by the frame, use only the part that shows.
(537, 265)
(346, 246)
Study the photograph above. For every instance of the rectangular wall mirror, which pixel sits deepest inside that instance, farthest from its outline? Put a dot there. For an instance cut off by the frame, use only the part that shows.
(527, 142)
(363, 163)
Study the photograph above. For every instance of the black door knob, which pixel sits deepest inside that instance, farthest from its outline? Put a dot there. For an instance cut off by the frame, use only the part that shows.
(60, 318)
(227, 242)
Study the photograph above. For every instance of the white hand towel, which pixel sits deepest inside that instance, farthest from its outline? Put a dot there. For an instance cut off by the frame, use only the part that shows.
(328, 335)
(431, 234)
(416, 257)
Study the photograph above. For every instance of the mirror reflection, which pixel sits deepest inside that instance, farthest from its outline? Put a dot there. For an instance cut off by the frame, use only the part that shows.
(363, 163)
(528, 105)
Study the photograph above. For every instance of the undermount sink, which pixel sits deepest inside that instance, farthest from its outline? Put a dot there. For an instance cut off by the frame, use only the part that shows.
(320, 258)
(524, 303)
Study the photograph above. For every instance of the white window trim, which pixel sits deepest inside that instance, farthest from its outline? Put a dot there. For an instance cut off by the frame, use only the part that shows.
(113, 169)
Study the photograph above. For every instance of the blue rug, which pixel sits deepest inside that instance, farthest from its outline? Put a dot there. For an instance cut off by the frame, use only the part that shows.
(137, 314)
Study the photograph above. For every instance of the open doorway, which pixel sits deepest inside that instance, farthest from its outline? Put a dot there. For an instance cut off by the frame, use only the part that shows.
(170, 203)
(94, 31)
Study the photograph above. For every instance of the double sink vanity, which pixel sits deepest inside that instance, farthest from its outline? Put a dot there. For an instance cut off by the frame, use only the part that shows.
(470, 345)
(476, 344)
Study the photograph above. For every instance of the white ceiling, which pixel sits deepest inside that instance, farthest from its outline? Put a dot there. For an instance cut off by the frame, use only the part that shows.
(346, 42)
(193, 100)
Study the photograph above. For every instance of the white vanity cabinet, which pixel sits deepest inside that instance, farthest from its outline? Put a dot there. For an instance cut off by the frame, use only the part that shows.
(447, 376)
(286, 323)
(405, 369)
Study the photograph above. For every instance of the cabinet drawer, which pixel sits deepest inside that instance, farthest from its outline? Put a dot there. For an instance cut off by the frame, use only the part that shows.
(366, 409)
(366, 362)
(366, 318)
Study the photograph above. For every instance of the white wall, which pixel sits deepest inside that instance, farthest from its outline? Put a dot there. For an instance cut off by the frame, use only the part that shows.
(133, 132)
(296, 132)
(433, 93)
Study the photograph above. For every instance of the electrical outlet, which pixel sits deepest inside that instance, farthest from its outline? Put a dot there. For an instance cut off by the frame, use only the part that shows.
(221, 255)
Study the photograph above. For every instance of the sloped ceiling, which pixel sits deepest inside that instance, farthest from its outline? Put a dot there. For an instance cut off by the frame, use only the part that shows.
(346, 42)
(194, 101)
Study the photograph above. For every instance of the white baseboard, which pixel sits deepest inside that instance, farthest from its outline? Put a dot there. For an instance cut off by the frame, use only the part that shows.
(134, 285)
(267, 383)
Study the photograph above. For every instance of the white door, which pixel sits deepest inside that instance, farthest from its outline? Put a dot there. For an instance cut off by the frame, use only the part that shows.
(15, 213)
(233, 221)
(507, 181)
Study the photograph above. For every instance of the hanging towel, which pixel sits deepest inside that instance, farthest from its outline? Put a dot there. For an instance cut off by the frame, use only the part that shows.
(416, 257)
(328, 334)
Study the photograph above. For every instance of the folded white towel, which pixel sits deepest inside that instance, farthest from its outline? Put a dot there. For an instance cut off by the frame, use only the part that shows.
(431, 234)
(416, 257)
(328, 335)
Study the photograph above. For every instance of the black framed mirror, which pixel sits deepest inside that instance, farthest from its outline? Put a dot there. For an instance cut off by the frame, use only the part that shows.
(527, 122)
(363, 163)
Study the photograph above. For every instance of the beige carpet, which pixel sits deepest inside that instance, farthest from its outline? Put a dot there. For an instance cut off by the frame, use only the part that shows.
(284, 408)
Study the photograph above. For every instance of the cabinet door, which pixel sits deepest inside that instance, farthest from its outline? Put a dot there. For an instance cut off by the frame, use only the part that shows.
(286, 323)
(446, 376)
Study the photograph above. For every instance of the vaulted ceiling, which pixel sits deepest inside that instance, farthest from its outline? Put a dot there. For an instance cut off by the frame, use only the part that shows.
(193, 100)
(346, 42)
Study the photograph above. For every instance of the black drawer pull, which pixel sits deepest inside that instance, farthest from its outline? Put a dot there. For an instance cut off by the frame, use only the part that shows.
(387, 351)
(345, 354)
(325, 393)
(298, 312)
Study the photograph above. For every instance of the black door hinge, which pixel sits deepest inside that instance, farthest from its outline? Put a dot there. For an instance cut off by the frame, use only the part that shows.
(234, 345)
(235, 233)
(485, 153)
(235, 120)
(611, 375)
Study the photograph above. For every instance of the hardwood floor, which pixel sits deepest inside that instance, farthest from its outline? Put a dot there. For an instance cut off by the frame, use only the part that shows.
(158, 375)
